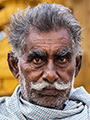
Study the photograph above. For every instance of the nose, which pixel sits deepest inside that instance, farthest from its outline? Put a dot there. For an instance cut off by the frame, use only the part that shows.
(50, 74)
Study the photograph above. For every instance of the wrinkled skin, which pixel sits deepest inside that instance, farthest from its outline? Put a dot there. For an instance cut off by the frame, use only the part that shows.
(48, 57)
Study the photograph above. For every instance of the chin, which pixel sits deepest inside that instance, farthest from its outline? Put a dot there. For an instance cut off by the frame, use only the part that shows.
(50, 101)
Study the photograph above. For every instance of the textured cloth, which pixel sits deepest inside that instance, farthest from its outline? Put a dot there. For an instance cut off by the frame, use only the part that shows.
(15, 108)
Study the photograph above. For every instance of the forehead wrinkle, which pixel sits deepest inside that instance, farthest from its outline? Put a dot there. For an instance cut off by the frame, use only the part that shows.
(49, 40)
(44, 35)
(47, 45)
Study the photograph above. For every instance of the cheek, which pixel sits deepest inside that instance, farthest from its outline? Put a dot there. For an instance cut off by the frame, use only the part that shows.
(30, 74)
(70, 73)
(33, 76)
(67, 73)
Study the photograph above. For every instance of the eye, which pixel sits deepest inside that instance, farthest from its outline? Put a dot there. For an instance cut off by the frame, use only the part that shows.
(37, 60)
(62, 59)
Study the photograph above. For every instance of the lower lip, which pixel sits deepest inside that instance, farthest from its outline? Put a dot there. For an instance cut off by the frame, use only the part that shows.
(49, 92)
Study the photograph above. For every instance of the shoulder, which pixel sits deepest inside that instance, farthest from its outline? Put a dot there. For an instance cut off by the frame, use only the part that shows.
(8, 106)
(80, 94)
(3, 108)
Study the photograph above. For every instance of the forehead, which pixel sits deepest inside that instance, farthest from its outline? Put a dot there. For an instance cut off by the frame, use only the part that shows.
(48, 41)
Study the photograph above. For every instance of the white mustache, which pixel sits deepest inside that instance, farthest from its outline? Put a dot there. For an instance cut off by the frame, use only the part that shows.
(58, 86)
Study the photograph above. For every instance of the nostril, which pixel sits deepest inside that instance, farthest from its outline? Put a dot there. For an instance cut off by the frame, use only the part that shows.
(55, 80)
(45, 79)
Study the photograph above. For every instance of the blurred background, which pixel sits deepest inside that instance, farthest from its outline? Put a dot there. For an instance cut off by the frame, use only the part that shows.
(80, 9)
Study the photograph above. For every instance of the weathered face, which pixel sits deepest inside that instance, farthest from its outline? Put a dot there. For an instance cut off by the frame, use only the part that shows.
(47, 67)
(48, 58)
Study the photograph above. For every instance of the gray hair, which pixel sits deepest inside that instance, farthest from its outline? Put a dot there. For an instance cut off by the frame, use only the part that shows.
(44, 17)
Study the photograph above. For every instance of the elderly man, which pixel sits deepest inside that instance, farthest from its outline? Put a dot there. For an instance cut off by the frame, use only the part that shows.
(47, 53)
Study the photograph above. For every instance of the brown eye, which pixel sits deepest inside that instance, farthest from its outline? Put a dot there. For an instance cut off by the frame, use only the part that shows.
(62, 59)
(37, 60)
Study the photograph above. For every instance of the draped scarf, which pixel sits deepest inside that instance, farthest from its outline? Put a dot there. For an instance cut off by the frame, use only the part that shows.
(15, 108)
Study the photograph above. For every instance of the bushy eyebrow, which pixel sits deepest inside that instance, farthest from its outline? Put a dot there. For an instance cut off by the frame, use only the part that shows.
(41, 53)
(37, 52)
(63, 52)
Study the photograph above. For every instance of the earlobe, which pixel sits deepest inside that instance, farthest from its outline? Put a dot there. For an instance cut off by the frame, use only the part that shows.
(13, 64)
(78, 65)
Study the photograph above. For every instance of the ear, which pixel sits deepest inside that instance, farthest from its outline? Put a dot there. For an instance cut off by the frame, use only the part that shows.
(78, 65)
(13, 64)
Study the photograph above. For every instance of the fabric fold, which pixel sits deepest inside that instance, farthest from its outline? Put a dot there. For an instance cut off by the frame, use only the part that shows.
(77, 108)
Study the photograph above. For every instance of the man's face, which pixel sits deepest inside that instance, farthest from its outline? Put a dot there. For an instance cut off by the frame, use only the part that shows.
(47, 68)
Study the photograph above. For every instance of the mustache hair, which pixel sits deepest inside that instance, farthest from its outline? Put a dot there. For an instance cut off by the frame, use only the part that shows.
(41, 85)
